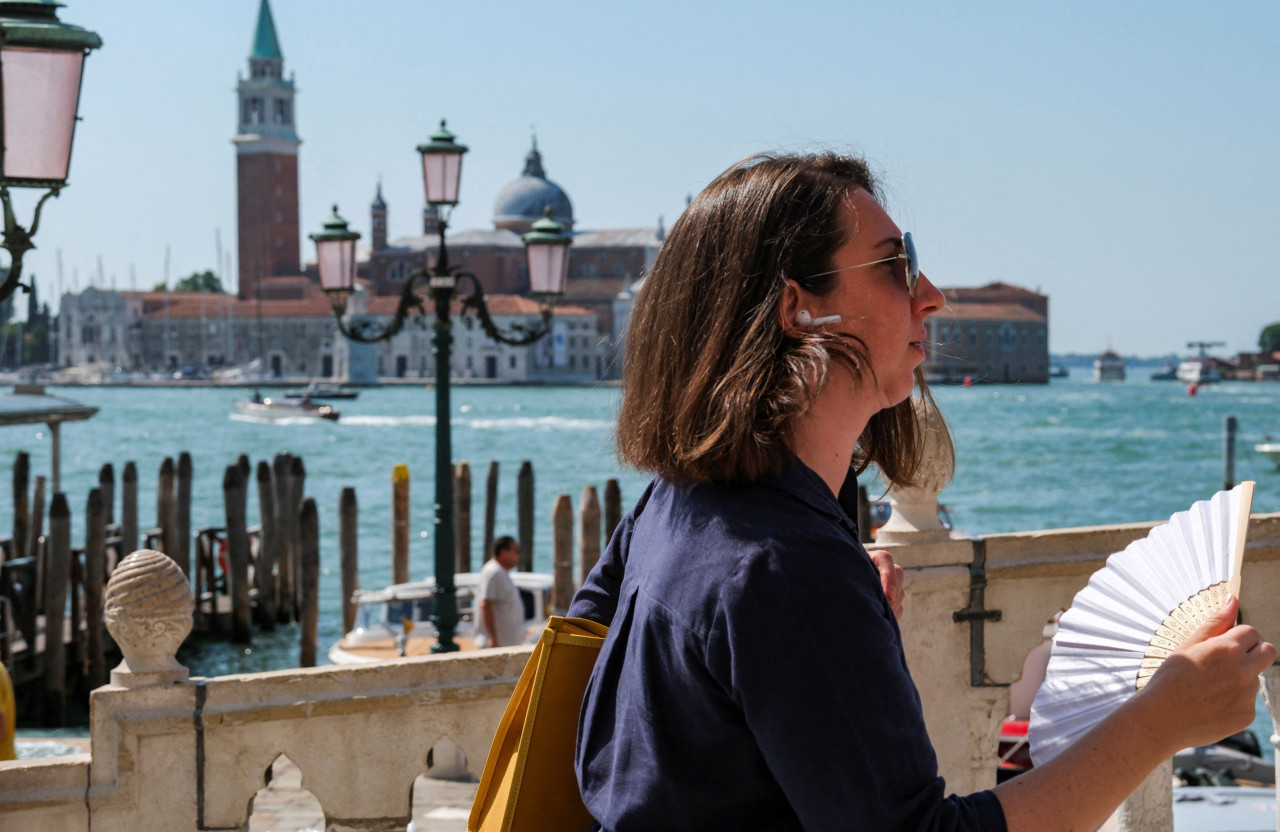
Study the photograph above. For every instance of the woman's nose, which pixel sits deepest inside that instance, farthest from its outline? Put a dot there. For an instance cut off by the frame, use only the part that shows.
(928, 299)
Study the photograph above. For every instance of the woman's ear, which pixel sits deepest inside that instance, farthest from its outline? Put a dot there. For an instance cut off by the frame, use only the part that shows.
(789, 307)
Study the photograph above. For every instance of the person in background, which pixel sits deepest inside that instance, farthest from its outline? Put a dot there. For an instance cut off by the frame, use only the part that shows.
(501, 621)
(754, 676)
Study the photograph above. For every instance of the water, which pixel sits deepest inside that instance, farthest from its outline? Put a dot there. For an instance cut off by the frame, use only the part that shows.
(1073, 453)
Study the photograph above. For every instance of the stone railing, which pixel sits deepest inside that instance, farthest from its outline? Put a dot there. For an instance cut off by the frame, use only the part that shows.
(173, 753)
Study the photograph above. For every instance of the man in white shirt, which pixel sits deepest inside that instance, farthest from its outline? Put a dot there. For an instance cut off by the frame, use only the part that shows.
(501, 621)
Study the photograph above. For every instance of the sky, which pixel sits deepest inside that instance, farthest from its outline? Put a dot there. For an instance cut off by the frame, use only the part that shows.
(1123, 158)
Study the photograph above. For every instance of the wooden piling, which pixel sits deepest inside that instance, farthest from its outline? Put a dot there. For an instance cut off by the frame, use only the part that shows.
(1229, 453)
(348, 552)
(182, 516)
(309, 525)
(297, 490)
(233, 489)
(107, 485)
(612, 508)
(129, 507)
(524, 514)
(268, 546)
(57, 575)
(165, 513)
(36, 526)
(462, 517)
(95, 562)
(490, 510)
(589, 533)
(246, 468)
(562, 554)
(284, 541)
(21, 506)
(400, 524)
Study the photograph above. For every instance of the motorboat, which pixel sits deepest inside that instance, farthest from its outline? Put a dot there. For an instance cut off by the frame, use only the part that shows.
(1108, 367)
(396, 621)
(1059, 371)
(285, 407)
(319, 390)
(1168, 373)
(1271, 450)
(1198, 371)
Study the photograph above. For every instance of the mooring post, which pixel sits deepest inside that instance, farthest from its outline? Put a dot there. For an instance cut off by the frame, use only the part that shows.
(462, 517)
(129, 507)
(107, 485)
(524, 514)
(56, 576)
(246, 468)
(95, 582)
(284, 541)
(562, 554)
(490, 510)
(612, 508)
(182, 516)
(166, 517)
(21, 508)
(348, 528)
(589, 534)
(309, 525)
(1229, 453)
(268, 545)
(36, 526)
(297, 490)
(237, 554)
(400, 523)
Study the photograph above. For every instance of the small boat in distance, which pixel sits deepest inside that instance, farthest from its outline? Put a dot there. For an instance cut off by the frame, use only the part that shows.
(318, 390)
(1108, 367)
(1269, 449)
(1199, 371)
(283, 408)
(1169, 373)
(396, 621)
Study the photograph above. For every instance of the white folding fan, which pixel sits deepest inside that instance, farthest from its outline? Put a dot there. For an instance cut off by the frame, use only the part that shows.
(1134, 612)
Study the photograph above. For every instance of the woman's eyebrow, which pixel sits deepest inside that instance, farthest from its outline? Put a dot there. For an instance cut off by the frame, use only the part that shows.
(894, 243)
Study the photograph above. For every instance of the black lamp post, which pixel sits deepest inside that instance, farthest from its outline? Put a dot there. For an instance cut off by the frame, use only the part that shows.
(41, 67)
(546, 248)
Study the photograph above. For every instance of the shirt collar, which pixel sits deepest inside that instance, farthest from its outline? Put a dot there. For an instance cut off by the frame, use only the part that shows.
(803, 483)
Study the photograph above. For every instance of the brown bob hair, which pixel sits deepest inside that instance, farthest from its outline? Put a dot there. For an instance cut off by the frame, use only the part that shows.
(711, 383)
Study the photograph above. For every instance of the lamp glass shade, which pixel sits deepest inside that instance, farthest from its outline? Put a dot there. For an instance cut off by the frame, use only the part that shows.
(548, 267)
(441, 175)
(40, 89)
(336, 260)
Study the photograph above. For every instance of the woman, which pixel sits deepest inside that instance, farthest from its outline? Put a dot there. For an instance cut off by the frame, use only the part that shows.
(753, 677)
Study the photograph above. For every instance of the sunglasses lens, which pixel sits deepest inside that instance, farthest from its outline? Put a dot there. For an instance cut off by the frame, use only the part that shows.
(913, 263)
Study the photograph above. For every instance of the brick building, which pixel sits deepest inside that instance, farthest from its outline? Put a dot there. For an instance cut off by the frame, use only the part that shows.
(998, 333)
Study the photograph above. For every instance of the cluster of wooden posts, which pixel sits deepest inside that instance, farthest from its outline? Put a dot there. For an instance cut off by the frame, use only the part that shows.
(242, 575)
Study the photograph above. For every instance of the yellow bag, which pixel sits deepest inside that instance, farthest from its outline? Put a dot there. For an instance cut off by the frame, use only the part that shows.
(528, 783)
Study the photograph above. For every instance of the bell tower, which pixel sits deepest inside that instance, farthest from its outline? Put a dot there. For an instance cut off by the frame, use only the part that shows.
(266, 164)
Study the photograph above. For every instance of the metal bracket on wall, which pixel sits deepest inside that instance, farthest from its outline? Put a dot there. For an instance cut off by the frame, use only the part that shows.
(977, 614)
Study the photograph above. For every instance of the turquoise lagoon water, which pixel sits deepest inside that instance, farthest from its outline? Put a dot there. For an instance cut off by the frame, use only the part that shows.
(1072, 453)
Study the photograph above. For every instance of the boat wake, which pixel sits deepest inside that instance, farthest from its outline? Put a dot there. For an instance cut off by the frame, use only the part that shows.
(276, 420)
(536, 423)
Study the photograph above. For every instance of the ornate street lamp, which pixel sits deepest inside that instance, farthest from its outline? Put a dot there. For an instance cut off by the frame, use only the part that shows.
(546, 248)
(41, 67)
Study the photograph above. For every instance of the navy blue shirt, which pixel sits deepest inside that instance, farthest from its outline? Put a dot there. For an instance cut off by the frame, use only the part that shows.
(753, 676)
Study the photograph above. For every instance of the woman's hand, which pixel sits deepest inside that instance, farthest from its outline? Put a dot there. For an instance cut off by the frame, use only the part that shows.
(1210, 682)
(891, 575)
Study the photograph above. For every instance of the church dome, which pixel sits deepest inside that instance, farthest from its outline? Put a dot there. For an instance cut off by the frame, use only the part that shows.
(523, 202)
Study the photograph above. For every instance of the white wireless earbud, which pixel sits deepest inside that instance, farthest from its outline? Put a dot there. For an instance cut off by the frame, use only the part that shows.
(803, 318)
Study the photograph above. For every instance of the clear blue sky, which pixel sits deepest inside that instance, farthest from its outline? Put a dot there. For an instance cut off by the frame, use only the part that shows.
(1123, 158)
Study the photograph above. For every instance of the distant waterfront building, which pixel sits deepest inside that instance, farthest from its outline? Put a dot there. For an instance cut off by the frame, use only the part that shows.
(997, 333)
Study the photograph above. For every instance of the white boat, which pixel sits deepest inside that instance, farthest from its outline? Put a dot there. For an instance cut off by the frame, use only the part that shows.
(380, 633)
(317, 390)
(1271, 450)
(1198, 371)
(1108, 367)
(284, 408)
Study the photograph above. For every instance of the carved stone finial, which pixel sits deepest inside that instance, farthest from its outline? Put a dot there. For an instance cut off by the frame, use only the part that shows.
(915, 510)
(147, 607)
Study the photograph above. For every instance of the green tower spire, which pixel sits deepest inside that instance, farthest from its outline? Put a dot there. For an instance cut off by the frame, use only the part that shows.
(265, 43)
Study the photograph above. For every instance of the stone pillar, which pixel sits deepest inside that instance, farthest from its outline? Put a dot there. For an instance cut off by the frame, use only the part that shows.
(915, 509)
(1150, 807)
(148, 608)
(988, 707)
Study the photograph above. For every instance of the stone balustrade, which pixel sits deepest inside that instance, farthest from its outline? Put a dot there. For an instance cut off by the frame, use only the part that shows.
(174, 753)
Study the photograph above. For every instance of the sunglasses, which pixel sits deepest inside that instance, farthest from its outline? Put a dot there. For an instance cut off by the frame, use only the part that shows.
(911, 264)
